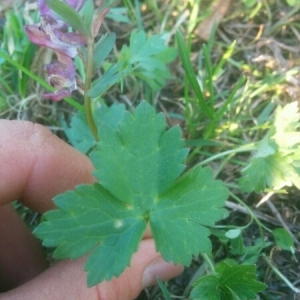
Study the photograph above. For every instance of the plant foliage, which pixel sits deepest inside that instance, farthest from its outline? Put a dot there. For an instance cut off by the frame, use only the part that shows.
(79, 134)
(137, 164)
(146, 58)
(230, 282)
(276, 162)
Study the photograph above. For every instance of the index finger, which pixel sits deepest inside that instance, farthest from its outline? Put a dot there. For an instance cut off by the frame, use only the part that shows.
(36, 165)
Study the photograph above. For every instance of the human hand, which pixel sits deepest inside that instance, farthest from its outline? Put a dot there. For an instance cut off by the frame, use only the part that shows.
(35, 165)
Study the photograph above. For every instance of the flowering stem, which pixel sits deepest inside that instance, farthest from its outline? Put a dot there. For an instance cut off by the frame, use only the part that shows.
(87, 86)
(38, 79)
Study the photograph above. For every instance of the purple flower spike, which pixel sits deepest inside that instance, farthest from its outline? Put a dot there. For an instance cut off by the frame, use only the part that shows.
(62, 76)
(61, 73)
(63, 42)
(53, 33)
(58, 95)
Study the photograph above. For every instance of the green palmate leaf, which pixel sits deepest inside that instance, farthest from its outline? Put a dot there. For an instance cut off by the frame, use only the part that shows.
(138, 164)
(68, 15)
(276, 162)
(262, 172)
(146, 58)
(236, 282)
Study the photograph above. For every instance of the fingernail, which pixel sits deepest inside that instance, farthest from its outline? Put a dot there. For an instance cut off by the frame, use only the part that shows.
(161, 269)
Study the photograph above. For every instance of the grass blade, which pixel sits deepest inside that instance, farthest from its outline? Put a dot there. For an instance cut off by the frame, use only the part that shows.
(163, 289)
(38, 79)
(187, 65)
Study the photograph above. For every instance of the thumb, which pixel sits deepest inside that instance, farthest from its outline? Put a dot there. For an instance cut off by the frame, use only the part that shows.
(67, 279)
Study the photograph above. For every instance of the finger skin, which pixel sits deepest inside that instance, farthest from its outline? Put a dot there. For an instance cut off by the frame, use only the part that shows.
(36, 165)
(21, 257)
(67, 280)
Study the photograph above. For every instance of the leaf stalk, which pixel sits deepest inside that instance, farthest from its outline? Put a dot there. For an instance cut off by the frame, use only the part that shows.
(246, 148)
(209, 263)
(87, 86)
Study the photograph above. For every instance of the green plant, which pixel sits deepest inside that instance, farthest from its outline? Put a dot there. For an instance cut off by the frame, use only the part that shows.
(228, 282)
(276, 161)
(16, 45)
(203, 87)
(115, 212)
(111, 216)
(146, 190)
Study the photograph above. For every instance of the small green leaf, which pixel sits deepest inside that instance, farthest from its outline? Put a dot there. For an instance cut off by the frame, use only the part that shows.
(146, 58)
(103, 48)
(237, 246)
(283, 239)
(167, 55)
(142, 47)
(87, 13)
(118, 14)
(229, 282)
(68, 15)
(110, 77)
(233, 233)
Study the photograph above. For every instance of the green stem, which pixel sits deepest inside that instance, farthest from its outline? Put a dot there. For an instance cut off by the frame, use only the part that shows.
(246, 148)
(288, 283)
(259, 224)
(282, 21)
(209, 262)
(87, 86)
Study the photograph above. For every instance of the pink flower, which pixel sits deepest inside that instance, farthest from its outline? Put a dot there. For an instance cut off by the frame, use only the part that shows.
(62, 76)
(53, 33)
(48, 36)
